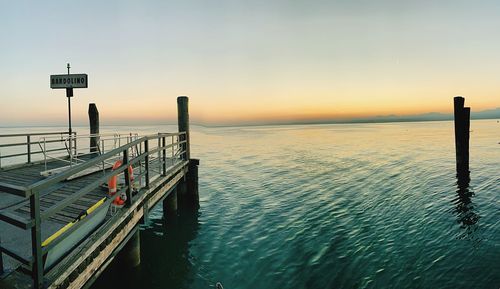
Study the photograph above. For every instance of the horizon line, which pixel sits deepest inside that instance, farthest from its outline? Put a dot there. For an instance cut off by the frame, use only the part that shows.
(276, 123)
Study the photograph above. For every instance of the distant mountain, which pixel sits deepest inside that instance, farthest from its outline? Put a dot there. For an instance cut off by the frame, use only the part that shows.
(430, 116)
(490, 113)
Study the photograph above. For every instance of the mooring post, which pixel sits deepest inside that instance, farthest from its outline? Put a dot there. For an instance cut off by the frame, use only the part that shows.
(188, 188)
(94, 128)
(170, 205)
(183, 123)
(462, 135)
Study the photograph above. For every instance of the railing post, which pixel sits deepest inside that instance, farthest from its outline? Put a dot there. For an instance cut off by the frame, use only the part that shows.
(172, 148)
(183, 124)
(164, 152)
(28, 142)
(45, 153)
(75, 143)
(36, 240)
(159, 155)
(70, 149)
(146, 161)
(1, 259)
(138, 152)
(128, 182)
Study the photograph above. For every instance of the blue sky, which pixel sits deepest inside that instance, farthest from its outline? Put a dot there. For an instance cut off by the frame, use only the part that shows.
(243, 61)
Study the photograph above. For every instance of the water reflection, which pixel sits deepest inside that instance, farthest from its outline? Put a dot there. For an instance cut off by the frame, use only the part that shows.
(465, 211)
(165, 261)
(168, 248)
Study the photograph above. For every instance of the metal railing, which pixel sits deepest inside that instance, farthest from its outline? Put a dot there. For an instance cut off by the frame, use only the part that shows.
(17, 148)
(148, 150)
(79, 148)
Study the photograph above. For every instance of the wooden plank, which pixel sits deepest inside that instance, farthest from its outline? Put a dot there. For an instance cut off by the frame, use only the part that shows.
(91, 196)
(14, 181)
(27, 171)
(80, 204)
(63, 218)
(16, 220)
(85, 172)
(66, 216)
(13, 189)
(83, 191)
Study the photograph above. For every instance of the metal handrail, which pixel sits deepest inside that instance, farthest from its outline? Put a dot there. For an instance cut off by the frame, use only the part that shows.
(75, 152)
(33, 134)
(98, 159)
(29, 143)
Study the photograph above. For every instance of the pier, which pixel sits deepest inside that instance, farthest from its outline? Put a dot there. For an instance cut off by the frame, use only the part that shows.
(60, 226)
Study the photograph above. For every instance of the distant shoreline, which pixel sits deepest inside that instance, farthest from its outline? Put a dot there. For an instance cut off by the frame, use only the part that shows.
(344, 122)
(355, 121)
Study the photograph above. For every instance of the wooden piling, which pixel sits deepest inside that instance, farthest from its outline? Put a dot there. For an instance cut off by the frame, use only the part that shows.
(192, 183)
(183, 123)
(189, 188)
(94, 128)
(130, 256)
(462, 135)
(170, 205)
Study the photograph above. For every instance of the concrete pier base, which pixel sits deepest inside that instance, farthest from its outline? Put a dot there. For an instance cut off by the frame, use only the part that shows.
(130, 256)
(170, 205)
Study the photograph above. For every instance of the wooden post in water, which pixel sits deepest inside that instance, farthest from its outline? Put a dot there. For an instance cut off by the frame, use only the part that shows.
(94, 128)
(130, 256)
(170, 205)
(462, 135)
(192, 183)
(183, 123)
(188, 188)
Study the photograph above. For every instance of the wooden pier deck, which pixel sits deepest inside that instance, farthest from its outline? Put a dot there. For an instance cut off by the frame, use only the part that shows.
(61, 230)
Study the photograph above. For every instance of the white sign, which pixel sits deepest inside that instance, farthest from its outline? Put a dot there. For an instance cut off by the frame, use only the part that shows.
(69, 81)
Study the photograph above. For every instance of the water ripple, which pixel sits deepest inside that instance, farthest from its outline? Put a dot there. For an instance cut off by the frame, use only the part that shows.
(337, 206)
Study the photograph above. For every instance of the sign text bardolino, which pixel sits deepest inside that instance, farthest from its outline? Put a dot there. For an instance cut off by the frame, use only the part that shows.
(69, 81)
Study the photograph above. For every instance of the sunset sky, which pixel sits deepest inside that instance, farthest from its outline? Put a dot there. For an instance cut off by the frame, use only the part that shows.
(247, 61)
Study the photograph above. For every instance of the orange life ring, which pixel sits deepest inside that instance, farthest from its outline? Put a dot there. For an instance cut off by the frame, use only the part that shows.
(113, 180)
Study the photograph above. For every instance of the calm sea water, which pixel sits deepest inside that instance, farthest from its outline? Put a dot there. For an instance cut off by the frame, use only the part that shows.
(330, 206)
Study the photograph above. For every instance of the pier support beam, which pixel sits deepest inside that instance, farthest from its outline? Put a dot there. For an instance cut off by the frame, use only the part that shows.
(170, 205)
(94, 128)
(462, 135)
(130, 256)
(193, 196)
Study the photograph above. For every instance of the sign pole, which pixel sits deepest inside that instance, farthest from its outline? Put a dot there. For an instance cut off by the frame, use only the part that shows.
(69, 81)
(69, 94)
